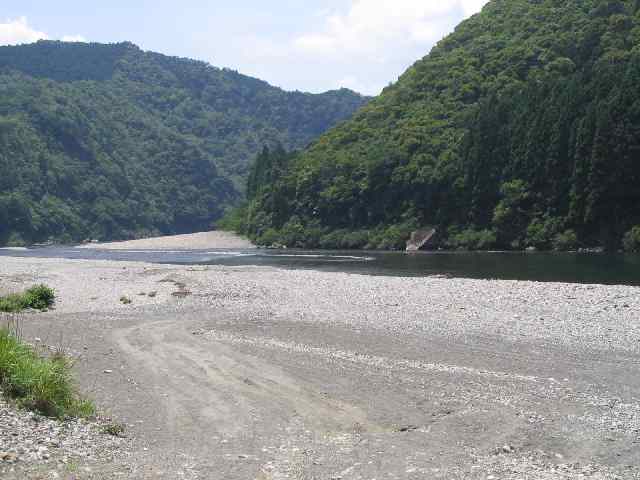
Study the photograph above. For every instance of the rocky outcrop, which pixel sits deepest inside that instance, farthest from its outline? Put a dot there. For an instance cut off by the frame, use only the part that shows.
(421, 239)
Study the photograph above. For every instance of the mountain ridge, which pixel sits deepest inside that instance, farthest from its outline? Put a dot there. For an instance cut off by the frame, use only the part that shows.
(110, 142)
(499, 137)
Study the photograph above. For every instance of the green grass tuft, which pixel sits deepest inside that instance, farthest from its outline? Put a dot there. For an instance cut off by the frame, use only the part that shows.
(114, 429)
(37, 383)
(38, 297)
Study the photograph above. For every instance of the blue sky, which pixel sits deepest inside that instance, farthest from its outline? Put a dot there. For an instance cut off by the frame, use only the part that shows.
(308, 45)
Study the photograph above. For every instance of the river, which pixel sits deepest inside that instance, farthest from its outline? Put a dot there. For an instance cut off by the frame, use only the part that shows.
(546, 267)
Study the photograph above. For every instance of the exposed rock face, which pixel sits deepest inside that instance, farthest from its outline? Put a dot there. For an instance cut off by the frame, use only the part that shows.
(421, 239)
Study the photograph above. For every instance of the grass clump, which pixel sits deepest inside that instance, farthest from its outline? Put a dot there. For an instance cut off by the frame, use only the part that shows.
(114, 429)
(38, 383)
(38, 297)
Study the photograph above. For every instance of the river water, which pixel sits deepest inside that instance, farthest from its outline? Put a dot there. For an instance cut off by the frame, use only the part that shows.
(548, 267)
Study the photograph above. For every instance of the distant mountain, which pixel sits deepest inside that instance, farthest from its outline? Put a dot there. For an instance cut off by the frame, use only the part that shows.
(520, 129)
(109, 141)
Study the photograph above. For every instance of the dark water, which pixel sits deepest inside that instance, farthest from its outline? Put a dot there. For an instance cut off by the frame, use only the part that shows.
(556, 267)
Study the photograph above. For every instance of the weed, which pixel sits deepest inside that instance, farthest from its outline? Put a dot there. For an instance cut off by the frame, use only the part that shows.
(38, 297)
(12, 322)
(125, 300)
(72, 466)
(38, 383)
(113, 429)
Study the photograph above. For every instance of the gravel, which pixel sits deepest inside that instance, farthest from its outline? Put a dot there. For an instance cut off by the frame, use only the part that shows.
(32, 444)
(437, 378)
(600, 317)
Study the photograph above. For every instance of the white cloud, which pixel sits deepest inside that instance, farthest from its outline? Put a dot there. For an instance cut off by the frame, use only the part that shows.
(369, 25)
(470, 7)
(358, 84)
(378, 28)
(18, 31)
(378, 39)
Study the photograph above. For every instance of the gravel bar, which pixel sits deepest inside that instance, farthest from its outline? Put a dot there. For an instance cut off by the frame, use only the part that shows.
(256, 372)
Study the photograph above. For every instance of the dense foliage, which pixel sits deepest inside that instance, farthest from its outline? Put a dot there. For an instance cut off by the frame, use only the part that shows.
(521, 129)
(108, 141)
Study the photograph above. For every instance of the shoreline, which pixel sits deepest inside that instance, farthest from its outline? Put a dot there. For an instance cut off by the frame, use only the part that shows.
(96, 286)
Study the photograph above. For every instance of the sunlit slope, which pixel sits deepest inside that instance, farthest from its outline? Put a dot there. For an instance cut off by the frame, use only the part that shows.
(521, 128)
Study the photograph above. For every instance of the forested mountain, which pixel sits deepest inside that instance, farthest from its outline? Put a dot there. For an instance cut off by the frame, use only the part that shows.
(520, 129)
(108, 141)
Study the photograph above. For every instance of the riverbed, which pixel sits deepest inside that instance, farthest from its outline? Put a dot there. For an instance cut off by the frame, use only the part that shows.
(240, 372)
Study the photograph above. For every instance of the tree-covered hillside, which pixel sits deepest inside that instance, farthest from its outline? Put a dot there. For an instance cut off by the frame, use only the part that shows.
(108, 141)
(520, 129)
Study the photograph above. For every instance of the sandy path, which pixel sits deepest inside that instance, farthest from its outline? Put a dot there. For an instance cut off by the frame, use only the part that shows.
(271, 374)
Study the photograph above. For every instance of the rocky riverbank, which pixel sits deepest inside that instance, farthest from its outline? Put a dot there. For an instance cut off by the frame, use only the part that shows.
(255, 372)
(32, 446)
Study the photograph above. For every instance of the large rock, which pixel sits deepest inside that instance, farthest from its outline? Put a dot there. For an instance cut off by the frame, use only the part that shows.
(421, 239)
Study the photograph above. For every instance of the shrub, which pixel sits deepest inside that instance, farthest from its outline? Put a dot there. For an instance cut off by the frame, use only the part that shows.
(393, 237)
(472, 239)
(268, 238)
(114, 429)
(631, 241)
(510, 216)
(344, 239)
(234, 220)
(354, 240)
(39, 297)
(332, 240)
(10, 303)
(293, 233)
(541, 232)
(563, 242)
(38, 383)
(312, 235)
(16, 240)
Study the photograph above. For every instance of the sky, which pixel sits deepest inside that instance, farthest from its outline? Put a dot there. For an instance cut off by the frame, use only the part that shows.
(307, 45)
